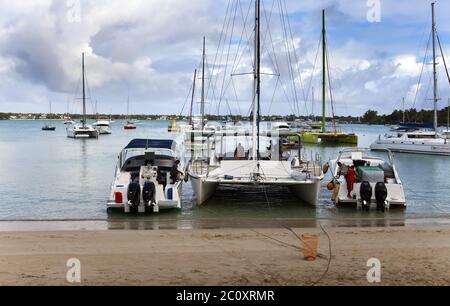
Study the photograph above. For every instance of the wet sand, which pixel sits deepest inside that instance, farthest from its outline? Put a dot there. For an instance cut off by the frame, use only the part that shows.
(416, 254)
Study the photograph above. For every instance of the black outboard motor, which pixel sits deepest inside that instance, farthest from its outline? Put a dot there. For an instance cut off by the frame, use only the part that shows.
(366, 195)
(381, 194)
(148, 193)
(134, 195)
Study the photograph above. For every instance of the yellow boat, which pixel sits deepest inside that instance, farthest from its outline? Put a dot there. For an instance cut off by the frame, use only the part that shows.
(329, 138)
(324, 136)
(173, 127)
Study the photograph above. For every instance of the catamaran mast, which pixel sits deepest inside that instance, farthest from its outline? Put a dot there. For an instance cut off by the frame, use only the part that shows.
(84, 94)
(324, 74)
(203, 85)
(257, 83)
(435, 92)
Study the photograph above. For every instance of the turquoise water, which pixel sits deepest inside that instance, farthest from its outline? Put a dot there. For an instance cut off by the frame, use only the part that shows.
(46, 176)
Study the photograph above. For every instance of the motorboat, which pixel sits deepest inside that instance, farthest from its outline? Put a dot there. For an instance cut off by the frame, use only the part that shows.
(82, 130)
(144, 179)
(103, 127)
(418, 142)
(377, 184)
(130, 126)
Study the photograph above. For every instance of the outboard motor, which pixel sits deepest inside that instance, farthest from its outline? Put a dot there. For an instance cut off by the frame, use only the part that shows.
(148, 193)
(134, 195)
(381, 194)
(366, 195)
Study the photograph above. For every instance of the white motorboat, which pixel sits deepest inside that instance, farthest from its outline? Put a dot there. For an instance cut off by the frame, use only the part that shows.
(421, 141)
(377, 181)
(144, 179)
(82, 130)
(103, 127)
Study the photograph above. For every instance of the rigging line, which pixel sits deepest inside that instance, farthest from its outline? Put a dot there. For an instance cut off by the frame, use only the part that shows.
(422, 70)
(289, 59)
(222, 37)
(274, 93)
(330, 85)
(235, 65)
(187, 99)
(244, 31)
(443, 57)
(314, 68)
(295, 51)
(237, 99)
(419, 47)
(222, 94)
(330, 256)
(278, 70)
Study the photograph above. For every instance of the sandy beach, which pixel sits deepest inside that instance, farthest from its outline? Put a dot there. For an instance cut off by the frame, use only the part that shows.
(412, 255)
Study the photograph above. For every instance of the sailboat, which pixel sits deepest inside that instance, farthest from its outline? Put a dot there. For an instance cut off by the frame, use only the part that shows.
(421, 141)
(49, 127)
(82, 130)
(325, 136)
(253, 167)
(130, 124)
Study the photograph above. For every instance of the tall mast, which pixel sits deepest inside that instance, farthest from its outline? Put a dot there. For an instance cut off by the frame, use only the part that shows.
(203, 84)
(192, 100)
(84, 94)
(404, 111)
(257, 83)
(435, 91)
(324, 73)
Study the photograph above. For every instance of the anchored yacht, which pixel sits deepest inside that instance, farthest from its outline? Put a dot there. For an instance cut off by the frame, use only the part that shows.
(82, 130)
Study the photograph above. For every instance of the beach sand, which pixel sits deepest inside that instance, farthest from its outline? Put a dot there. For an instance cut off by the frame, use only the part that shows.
(412, 255)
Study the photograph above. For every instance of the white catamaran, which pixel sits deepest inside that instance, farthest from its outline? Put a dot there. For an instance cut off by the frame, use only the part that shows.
(252, 166)
(82, 130)
(420, 142)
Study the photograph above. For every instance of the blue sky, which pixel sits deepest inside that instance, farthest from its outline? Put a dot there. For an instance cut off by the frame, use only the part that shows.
(148, 50)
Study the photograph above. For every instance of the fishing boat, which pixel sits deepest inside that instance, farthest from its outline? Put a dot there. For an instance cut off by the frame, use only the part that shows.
(420, 141)
(257, 160)
(82, 130)
(144, 178)
(326, 136)
(377, 184)
(49, 127)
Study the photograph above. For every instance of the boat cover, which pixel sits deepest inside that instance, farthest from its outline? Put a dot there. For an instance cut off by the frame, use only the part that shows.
(370, 174)
(150, 144)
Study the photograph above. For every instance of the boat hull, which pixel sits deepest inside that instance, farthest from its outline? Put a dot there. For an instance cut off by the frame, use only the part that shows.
(412, 147)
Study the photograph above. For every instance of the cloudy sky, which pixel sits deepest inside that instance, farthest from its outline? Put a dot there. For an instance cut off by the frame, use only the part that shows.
(148, 50)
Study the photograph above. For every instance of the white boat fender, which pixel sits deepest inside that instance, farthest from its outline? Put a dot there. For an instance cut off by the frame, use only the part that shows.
(366, 195)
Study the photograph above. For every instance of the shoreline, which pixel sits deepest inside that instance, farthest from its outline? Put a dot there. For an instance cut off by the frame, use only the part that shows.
(410, 255)
(150, 224)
